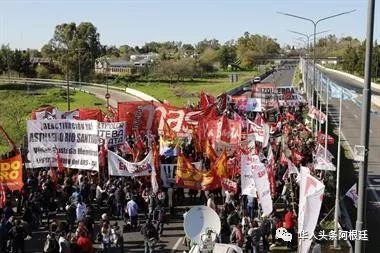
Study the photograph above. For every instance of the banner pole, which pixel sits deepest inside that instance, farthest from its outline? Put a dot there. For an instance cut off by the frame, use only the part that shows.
(336, 212)
(327, 117)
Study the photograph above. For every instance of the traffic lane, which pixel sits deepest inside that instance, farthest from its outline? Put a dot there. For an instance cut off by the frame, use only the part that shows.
(351, 128)
(115, 96)
(347, 82)
(351, 114)
(283, 77)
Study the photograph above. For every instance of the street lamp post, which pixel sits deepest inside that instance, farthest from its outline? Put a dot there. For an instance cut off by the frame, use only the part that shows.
(365, 125)
(67, 80)
(308, 36)
(315, 23)
(363, 174)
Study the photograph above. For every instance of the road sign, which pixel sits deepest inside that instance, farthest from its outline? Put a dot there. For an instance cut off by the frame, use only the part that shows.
(107, 95)
(359, 152)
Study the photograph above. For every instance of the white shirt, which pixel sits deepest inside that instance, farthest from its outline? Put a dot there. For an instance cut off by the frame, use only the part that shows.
(211, 204)
(99, 192)
(64, 245)
(81, 211)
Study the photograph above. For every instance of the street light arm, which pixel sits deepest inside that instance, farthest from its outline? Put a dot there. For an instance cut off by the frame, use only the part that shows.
(295, 16)
(333, 16)
(303, 34)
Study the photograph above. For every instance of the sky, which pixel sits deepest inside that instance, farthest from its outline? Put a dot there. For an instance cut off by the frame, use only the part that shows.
(30, 23)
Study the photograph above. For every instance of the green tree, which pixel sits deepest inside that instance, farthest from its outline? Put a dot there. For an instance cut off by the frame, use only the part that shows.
(71, 41)
(42, 72)
(350, 60)
(252, 48)
(204, 44)
(227, 54)
(208, 59)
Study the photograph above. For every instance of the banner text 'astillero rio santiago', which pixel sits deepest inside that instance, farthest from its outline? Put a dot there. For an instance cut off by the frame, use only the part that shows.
(75, 141)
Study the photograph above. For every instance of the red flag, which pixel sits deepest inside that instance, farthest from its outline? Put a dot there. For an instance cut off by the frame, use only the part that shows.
(220, 165)
(168, 133)
(272, 180)
(297, 157)
(205, 100)
(290, 116)
(3, 196)
(61, 168)
(210, 152)
(229, 130)
(283, 159)
(53, 175)
(102, 156)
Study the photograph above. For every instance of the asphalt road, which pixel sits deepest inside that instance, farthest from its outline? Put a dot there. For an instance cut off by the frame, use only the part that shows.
(116, 96)
(282, 77)
(351, 128)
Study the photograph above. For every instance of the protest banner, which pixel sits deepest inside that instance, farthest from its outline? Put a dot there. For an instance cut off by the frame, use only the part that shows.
(76, 143)
(260, 176)
(118, 166)
(257, 132)
(11, 173)
(247, 182)
(111, 133)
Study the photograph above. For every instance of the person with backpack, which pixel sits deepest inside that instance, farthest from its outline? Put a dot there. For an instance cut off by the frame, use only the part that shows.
(51, 244)
(150, 236)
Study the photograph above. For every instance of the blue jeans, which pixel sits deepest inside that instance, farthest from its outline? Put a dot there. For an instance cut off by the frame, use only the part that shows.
(251, 212)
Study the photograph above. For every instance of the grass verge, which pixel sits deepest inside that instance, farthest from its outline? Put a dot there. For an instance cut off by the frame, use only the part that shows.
(183, 92)
(17, 102)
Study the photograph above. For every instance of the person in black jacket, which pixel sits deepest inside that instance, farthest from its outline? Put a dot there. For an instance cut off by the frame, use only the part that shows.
(150, 236)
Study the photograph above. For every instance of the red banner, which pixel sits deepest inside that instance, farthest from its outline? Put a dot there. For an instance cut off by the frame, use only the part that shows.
(206, 100)
(229, 185)
(228, 130)
(138, 115)
(91, 113)
(11, 173)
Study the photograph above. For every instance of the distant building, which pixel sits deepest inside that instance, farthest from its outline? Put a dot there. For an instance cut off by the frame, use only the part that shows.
(118, 66)
(36, 61)
(330, 60)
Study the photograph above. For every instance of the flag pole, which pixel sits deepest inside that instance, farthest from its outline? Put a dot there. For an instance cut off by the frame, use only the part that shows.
(336, 213)
(327, 117)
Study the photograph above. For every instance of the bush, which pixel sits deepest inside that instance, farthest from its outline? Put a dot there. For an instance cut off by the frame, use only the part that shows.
(42, 72)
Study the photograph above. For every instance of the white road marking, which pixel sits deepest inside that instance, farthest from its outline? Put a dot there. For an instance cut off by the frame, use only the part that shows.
(356, 116)
(176, 244)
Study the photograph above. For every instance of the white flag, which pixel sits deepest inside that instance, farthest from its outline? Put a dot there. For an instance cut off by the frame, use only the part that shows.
(352, 193)
(310, 201)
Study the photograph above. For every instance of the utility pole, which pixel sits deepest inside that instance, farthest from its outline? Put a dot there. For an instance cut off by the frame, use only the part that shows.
(315, 23)
(365, 125)
(67, 80)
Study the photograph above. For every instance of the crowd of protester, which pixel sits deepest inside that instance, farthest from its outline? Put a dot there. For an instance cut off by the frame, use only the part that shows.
(80, 208)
